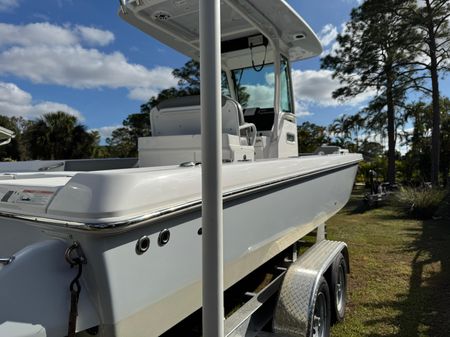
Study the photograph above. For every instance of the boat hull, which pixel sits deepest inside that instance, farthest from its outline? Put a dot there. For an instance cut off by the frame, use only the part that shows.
(144, 295)
(253, 234)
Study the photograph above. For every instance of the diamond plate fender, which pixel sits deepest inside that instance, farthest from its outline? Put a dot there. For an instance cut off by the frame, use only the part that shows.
(295, 306)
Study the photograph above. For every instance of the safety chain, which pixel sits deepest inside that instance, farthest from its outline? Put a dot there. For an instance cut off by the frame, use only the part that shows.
(75, 257)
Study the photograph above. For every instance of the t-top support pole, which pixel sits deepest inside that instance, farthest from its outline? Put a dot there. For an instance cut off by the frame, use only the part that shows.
(212, 210)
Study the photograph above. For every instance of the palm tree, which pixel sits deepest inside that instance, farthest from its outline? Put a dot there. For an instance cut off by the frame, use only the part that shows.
(341, 129)
(59, 135)
(356, 124)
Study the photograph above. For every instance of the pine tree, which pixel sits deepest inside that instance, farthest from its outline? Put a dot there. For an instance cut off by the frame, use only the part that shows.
(431, 18)
(373, 54)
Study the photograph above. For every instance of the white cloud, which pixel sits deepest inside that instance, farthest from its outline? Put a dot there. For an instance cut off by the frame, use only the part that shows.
(142, 94)
(48, 54)
(314, 86)
(17, 102)
(77, 67)
(303, 113)
(46, 107)
(270, 79)
(95, 36)
(317, 86)
(8, 5)
(44, 33)
(328, 35)
(41, 16)
(11, 93)
(36, 34)
(311, 88)
(302, 110)
(106, 131)
(260, 95)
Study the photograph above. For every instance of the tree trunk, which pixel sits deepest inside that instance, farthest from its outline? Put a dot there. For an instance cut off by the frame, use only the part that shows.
(445, 172)
(391, 130)
(436, 131)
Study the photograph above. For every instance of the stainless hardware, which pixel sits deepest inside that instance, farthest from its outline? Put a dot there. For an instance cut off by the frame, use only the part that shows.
(51, 167)
(142, 245)
(123, 6)
(163, 237)
(7, 260)
(189, 164)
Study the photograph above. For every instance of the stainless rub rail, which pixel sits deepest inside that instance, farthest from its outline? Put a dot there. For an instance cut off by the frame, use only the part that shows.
(132, 223)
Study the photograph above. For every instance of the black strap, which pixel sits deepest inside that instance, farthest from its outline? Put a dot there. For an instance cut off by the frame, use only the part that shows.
(74, 256)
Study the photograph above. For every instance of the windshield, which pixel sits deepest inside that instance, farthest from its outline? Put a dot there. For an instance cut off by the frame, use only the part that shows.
(225, 86)
(255, 89)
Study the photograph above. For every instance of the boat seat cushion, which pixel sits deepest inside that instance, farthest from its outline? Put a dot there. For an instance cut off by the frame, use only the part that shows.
(182, 116)
(179, 102)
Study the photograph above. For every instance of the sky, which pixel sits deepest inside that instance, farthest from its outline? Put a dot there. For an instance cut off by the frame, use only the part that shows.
(78, 56)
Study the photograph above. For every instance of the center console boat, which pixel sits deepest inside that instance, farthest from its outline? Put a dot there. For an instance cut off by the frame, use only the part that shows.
(130, 238)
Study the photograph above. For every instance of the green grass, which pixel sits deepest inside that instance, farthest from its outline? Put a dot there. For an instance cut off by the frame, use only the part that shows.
(400, 271)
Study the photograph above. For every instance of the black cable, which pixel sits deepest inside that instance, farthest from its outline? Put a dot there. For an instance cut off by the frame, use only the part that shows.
(261, 67)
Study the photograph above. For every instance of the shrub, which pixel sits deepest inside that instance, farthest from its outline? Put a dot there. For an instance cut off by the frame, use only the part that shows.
(421, 202)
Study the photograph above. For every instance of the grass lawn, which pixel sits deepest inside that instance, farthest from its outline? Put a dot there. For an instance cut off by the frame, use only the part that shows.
(400, 272)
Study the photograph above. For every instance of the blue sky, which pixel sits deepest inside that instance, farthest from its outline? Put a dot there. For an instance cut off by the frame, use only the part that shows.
(80, 57)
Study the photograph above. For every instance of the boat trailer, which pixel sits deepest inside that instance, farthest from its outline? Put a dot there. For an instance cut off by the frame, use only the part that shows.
(305, 294)
(292, 299)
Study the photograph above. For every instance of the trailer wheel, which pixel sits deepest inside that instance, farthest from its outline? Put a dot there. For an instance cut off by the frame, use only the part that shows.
(339, 288)
(322, 311)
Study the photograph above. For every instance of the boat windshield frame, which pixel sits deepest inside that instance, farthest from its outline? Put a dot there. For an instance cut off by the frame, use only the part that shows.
(278, 88)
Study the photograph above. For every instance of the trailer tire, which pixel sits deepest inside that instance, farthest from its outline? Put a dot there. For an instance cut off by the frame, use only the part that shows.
(321, 321)
(339, 288)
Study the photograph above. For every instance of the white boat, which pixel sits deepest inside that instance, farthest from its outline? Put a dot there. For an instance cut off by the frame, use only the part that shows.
(138, 230)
